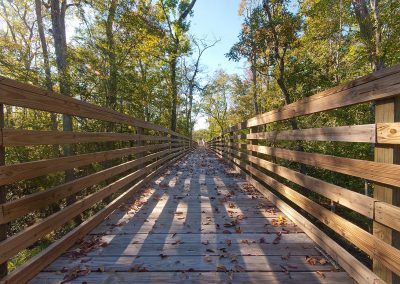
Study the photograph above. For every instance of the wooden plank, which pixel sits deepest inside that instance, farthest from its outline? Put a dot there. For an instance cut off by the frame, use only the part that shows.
(373, 246)
(24, 95)
(28, 236)
(388, 133)
(353, 200)
(387, 111)
(374, 171)
(185, 263)
(293, 245)
(355, 268)
(21, 171)
(26, 204)
(20, 137)
(197, 238)
(275, 277)
(379, 85)
(29, 269)
(388, 215)
(356, 133)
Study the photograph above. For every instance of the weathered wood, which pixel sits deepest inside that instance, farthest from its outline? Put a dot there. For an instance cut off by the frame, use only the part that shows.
(158, 207)
(357, 133)
(19, 137)
(21, 171)
(28, 203)
(24, 95)
(355, 268)
(201, 277)
(353, 200)
(387, 111)
(374, 171)
(34, 265)
(28, 236)
(3, 193)
(375, 247)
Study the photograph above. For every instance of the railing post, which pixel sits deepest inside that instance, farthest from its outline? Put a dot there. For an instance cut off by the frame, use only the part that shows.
(253, 142)
(3, 192)
(387, 111)
(140, 142)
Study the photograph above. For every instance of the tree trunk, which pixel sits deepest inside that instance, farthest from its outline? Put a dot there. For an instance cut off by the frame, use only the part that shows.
(58, 11)
(174, 91)
(254, 81)
(112, 82)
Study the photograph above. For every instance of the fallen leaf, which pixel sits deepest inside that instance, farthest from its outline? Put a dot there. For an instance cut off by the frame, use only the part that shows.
(323, 261)
(239, 268)
(207, 258)
(311, 260)
(221, 268)
(321, 274)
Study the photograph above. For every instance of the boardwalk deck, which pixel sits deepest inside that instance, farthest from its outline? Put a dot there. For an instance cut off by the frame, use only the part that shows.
(199, 222)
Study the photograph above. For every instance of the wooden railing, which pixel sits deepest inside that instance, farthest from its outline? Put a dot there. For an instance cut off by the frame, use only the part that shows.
(252, 149)
(149, 149)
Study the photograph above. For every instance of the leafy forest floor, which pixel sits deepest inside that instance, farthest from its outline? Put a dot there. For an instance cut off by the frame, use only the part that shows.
(199, 222)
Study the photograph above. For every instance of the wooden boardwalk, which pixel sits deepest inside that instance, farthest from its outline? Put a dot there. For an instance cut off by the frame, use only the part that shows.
(199, 222)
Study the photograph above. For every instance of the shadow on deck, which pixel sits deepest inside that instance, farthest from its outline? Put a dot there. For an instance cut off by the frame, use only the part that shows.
(198, 222)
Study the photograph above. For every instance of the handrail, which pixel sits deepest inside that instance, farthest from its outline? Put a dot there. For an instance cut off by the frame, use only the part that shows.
(123, 171)
(264, 158)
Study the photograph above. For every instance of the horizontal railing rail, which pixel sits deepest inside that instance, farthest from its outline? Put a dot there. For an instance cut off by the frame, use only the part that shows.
(261, 153)
(120, 164)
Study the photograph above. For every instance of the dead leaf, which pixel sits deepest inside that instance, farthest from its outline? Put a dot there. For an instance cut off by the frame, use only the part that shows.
(221, 268)
(239, 268)
(321, 274)
(311, 260)
(323, 261)
(207, 258)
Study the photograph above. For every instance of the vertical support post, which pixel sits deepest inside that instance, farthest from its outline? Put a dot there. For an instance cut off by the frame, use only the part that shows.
(140, 142)
(3, 192)
(387, 111)
(253, 142)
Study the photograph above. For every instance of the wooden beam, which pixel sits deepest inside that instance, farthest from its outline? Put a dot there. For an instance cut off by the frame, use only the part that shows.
(24, 95)
(388, 133)
(373, 246)
(356, 133)
(20, 137)
(19, 207)
(374, 171)
(348, 198)
(21, 171)
(29, 269)
(12, 245)
(387, 111)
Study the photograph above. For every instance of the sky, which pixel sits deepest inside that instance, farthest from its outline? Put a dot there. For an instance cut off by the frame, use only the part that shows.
(217, 19)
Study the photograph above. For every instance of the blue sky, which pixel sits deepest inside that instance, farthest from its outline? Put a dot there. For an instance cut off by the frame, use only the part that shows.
(217, 19)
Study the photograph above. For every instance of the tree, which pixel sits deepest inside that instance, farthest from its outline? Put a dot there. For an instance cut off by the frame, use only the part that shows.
(191, 73)
(216, 99)
(176, 28)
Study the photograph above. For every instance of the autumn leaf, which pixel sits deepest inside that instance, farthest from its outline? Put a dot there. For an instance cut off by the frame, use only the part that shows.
(239, 268)
(323, 261)
(221, 268)
(311, 260)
